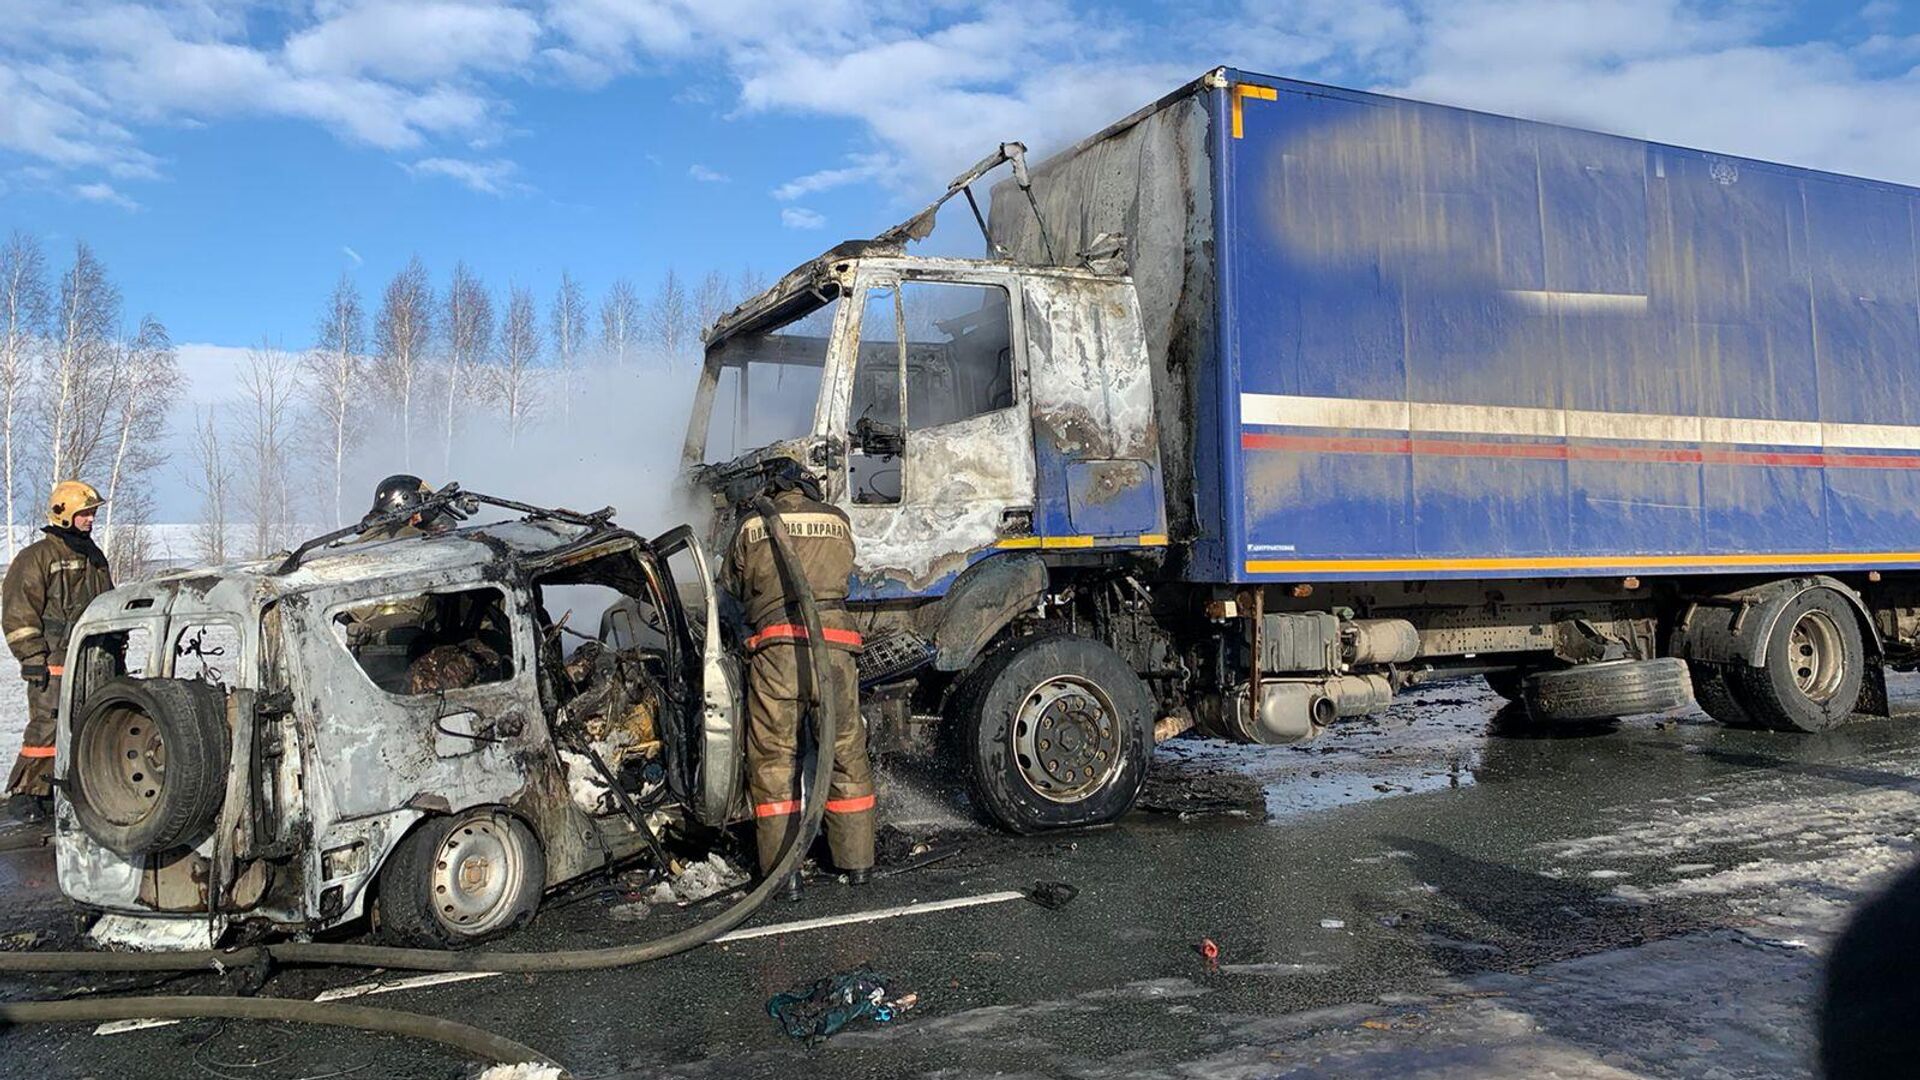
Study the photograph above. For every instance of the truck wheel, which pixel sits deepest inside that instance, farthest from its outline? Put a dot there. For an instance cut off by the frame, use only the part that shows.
(1053, 732)
(149, 766)
(1508, 684)
(1717, 697)
(1608, 689)
(1812, 665)
(459, 880)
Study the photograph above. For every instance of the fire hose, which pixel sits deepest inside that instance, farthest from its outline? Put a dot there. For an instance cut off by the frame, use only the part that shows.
(460, 1036)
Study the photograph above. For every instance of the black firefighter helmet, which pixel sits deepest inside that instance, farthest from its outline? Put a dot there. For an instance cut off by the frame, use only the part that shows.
(398, 492)
(786, 474)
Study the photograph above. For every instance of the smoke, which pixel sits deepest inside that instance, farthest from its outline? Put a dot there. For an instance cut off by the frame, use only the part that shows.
(615, 441)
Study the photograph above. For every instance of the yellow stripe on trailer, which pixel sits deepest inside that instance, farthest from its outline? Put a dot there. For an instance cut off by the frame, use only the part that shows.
(1056, 543)
(1248, 90)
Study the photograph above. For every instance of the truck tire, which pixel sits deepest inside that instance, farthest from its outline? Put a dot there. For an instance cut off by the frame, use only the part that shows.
(1716, 696)
(1608, 689)
(1052, 732)
(459, 880)
(1508, 684)
(1812, 665)
(149, 763)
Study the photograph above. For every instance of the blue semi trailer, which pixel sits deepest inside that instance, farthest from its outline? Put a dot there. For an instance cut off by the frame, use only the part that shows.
(1274, 398)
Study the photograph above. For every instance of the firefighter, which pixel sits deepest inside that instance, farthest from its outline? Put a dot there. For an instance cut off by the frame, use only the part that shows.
(401, 491)
(777, 649)
(48, 585)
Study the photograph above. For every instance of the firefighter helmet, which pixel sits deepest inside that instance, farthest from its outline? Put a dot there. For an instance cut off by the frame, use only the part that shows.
(787, 474)
(398, 492)
(71, 497)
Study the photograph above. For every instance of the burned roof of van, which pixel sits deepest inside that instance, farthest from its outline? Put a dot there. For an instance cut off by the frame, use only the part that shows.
(348, 559)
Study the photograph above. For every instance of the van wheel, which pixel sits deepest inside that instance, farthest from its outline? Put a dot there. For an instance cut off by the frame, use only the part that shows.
(149, 767)
(1813, 662)
(1608, 689)
(459, 880)
(1053, 731)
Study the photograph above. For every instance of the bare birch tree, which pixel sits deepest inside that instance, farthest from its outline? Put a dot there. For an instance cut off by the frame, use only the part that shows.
(23, 315)
(515, 374)
(668, 316)
(79, 378)
(149, 380)
(712, 299)
(568, 322)
(132, 555)
(211, 477)
(619, 321)
(335, 383)
(401, 336)
(750, 284)
(269, 386)
(466, 325)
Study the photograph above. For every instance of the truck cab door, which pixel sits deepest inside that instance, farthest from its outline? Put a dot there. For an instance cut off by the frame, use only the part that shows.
(939, 468)
(1095, 442)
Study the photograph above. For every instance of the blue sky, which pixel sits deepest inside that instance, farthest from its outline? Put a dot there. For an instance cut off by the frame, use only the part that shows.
(229, 159)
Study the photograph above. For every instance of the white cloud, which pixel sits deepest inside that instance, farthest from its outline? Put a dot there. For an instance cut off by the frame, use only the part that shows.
(416, 41)
(797, 217)
(82, 78)
(492, 177)
(212, 372)
(707, 176)
(865, 167)
(104, 193)
(351, 254)
(1046, 72)
(931, 87)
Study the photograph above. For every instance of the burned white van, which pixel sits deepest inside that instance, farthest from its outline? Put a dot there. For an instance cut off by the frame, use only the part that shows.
(416, 727)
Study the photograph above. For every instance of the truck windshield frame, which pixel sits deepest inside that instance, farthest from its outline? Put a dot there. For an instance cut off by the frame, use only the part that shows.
(796, 335)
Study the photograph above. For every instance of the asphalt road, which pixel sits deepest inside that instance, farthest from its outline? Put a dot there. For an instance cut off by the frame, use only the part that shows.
(1434, 893)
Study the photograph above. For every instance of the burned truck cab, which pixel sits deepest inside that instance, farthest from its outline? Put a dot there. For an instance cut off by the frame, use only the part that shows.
(955, 408)
(989, 429)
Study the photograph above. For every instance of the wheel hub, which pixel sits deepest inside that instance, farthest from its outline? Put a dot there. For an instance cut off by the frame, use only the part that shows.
(124, 761)
(1815, 654)
(476, 877)
(1066, 740)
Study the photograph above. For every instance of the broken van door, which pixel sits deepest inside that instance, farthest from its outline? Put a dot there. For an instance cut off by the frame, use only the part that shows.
(718, 750)
(939, 466)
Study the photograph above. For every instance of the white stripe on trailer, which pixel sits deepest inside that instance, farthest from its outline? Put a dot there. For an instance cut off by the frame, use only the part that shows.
(1417, 418)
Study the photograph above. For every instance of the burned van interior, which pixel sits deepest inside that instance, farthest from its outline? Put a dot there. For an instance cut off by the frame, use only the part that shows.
(428, 643)
(614, 667)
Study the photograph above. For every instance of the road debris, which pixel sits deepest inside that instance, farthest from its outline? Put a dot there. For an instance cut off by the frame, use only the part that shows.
(525, 1070)
(820, 1011)
(1052, 895)
(1211, 952)
(698, 881)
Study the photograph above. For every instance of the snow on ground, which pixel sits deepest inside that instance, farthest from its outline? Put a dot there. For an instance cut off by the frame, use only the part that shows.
(1431, 738)
(13, 719)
